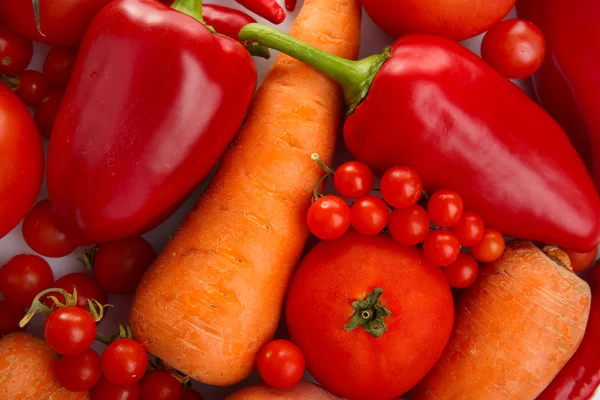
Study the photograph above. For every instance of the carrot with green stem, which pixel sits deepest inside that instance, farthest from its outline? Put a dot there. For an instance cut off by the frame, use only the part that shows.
(215, 294)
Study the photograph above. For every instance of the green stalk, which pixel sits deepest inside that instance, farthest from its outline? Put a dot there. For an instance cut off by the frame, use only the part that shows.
(355, 77)
(193, 8)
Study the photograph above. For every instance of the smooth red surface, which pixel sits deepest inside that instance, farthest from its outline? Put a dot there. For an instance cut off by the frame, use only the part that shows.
(15, 51)
(353, 179)
(59, 64)
(160, 385)
(79, 372)
(469, 229)
(369, 215)
(579, 379)
(409, 226)
(23, 277)
(280, 364)
(490, 247)
(328, 217)
(353, 364)
(445, 208)
(441, 110)
(124, 362)
(33, 87)
(153, 101)
(63, 22)
(10, 316)
(105, 390)
(226, 21)
(43, 232)
(581, 261)
(22, 161)
(441, 247)
(46, 112)
(401, 186)
(70, 330)
(87, 288)
(462, 272)
(568, 84)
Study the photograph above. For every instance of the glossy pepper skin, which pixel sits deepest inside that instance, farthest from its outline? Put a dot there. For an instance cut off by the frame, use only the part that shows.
(431, 104)
(579, 379)
(568, 84)
(153, 101)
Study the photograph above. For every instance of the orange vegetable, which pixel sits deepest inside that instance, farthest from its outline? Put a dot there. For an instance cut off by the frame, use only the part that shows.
(26, 364)
(302, 391)
(215, 294)
(516, 327)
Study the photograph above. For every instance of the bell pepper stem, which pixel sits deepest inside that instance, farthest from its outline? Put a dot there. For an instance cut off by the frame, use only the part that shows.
(355, 77)
(193, 8)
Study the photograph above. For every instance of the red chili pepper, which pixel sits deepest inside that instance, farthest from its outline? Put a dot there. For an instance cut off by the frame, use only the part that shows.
(579, 379)
(268, 9)
(431, 104)
(153, 101)
(568, 84)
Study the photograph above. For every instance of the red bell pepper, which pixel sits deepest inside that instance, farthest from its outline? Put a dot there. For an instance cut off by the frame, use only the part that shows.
(568, 84)
(580, 378)
(431, 104)
(153, 101)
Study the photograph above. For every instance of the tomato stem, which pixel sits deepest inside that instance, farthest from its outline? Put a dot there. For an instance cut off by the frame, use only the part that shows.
(36, 14)
(37, 306)
(369, 314)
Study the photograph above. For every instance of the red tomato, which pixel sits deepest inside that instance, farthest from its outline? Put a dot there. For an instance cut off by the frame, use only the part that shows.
(70, 330)
(160, 385)
(21, 163)
(462, 272)
(63, 22)
(120, 265)
(105, 390)
(190, 394)
(10, 316)
(445, 208)
(469, 229)
(46, 112)
(581, 261)
(124, 362)
(15, 51)
(401, 187)
(490, 248)
(369, 215)
(43, 234)
(441, 247)
(409, 226)
(87, 288)
(33, 87)
(455, 19)
(79, 372)
(353, 179)
(59, 65)
(352, 363)
(23, 277)
(516, 48)
(328, 218)
(280, 364)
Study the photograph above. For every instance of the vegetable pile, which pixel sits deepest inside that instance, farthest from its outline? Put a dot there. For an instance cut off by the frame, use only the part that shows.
(450, 255)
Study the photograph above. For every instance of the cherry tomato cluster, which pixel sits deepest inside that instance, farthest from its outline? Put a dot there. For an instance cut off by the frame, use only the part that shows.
(43, 91)
(438, 222)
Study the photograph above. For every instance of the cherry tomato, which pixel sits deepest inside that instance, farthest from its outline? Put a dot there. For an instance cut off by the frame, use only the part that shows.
(120, 265)
(33, 87)
(87, 288)
(401, 187)
(59, 65)
(516, 48)
(280, 364)
(328, 218)
(160, 385)
(445, 208)
(581, 261)
(15, 51)
(353, 179)
(23, 277)
(469, 229)
(43, 234)
(70, 330)
(10, 316)
(21, 160)
(462, 272)
(105, 390)
(441, 248)
(124, 362)
(190, 394)
(490, 247)
(46, 112)
(409, 226)
(369, 215)
(79, 372)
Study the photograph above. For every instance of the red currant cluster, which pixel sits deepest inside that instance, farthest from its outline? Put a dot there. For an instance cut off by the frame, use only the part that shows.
(438, 221)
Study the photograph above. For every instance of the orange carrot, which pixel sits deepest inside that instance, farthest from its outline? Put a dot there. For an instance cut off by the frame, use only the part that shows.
(26, 364)
(216, 292)
(516, 327)
(301, 391)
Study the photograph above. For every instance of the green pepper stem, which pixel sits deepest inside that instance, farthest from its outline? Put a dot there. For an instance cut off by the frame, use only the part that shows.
(355, 77)
(193, 8)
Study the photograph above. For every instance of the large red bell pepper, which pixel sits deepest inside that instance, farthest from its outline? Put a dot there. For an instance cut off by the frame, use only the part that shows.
(431, 104)
(568, 84)
(153, 101)
(580, 378)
